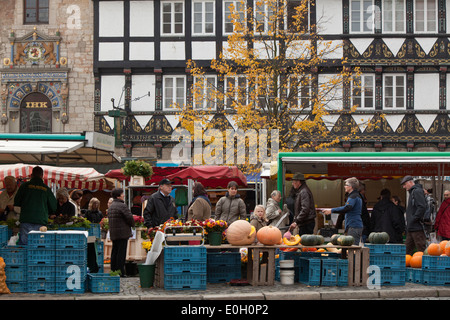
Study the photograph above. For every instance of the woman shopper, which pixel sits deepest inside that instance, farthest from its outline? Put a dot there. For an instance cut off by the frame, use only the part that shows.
(120, 223)
(231, 207)
(93, 214)
(200, 206)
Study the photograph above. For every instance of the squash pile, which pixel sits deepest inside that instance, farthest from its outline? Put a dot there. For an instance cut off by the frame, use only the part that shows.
(3, 287)
(434, 249)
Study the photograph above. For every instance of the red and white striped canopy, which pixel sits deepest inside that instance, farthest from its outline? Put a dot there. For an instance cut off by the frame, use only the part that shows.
(69, 177)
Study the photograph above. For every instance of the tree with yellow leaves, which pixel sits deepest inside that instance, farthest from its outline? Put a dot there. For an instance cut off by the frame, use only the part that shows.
(275, 75)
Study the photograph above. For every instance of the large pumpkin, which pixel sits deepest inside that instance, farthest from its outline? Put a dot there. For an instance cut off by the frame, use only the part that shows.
(408, 260)
(416, 261)
(269, 235)
(240, 233)
(434, 249)
(442, 244)
(447, 249)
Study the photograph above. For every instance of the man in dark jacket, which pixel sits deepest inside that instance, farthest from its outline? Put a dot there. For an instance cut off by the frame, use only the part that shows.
(120, 223)
(304, 207)
(387, 217)
(160, 206)
(415, 232)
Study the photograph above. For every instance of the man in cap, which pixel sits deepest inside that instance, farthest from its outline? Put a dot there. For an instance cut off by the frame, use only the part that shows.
(160, 206)
(7, 199)
(304, 207)
(415, 232)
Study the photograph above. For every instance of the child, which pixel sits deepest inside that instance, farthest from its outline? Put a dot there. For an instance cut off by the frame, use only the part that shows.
(259, 219)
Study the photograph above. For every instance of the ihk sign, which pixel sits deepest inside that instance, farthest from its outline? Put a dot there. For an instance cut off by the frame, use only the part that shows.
(241, 147)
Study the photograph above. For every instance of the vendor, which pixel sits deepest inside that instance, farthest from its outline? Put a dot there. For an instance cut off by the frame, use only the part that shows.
(7, 210)
(64, 206)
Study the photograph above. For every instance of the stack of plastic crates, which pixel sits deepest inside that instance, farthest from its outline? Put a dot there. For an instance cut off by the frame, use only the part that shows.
(41, 262)
(4, 236)
(223, 266)
(15, 258)
(436, 270)
(185, 267)
(390, 258)
(323, 269)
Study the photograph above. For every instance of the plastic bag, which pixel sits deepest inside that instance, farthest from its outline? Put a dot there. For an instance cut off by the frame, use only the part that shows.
(13, 240)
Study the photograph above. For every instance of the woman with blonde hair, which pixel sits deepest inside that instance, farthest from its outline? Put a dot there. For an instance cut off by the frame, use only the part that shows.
(259, 218)
(93, 214)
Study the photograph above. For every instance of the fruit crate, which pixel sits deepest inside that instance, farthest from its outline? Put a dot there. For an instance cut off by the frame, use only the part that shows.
(185, 281)
(41, 256)
(393, 277)
(386, 248)
(185, 267)
(95, 230)
(71, 240)
(309, 271)
(67, 287)
(16, 273)
(41, 240)
(414, 275)
(103, 283)
(14, 255)
(39, 272)
(342, 269)
(388, 261)
(436, 262)
(3, 236)
(436, 277)
(329, 272)
(41, 286)
(15, 286)
(71, 256)
(185, 253)
(223, 273)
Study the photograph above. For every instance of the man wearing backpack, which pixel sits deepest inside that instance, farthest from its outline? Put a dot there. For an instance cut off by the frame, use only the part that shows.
(415, 210)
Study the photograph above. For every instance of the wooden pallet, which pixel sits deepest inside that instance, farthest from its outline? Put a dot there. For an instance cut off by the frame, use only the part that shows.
(261, 266)
(358, 262)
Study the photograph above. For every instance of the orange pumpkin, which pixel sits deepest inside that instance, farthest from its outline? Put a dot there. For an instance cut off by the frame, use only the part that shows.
(442, 244)
(418, 253)
(434, 249)
(447, 249)
(240, 232)
(269, 235)
(416, 261)
(408, 260)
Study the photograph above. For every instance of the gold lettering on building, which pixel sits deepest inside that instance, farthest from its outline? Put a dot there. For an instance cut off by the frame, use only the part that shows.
(36, 105)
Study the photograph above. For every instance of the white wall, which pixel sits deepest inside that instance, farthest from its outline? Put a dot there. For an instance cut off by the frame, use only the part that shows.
(142, 51)
(141, 19)
(110, 51)
(203, 50)
(140, 86)
(426, 91)
(329, 16)
(173, 51)
(111, 20)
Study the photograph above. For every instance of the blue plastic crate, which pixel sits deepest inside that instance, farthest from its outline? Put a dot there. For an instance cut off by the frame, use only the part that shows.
(436, 262)
(185, 267)
(436, 277)
(309, 271)
(321, 255)
(224, 258)
(386, 248)
(38, 272)
(65, 287)
(69, 240)
(41, 286)
(14, 255)
(393, 277)
(41, 256)
(3, 235)
(185, 281)
(185, 253)
(16, 273)
(95, 230)
(41, 240)
(65, 271)
(388, 261)
(15, 286)
(329, 272)
(414, 275)
(103, 283)
(71, 256)
(342, 269)
(223, 274)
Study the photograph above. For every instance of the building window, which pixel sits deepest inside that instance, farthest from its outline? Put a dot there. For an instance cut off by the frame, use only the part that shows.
(203, 17)
(236, 91)
(35, 11)
(36, 114)
(239, 8)
(394, 91)
(362, 16)
(174, 92)
(425, 15)
(291, 21)
(264, 17)
(172, 18)
(363, 91)
(299, 93)
(394, 15)
(205, 93)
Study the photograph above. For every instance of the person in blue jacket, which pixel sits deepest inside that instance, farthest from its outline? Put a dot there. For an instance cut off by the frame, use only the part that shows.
(352, 210)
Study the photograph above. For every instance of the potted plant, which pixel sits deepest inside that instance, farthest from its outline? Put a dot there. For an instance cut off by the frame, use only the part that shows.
(138, 171)
(214, 230)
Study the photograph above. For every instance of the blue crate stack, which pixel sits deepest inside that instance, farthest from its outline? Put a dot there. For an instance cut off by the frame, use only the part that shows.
(390, 258)
(57, 262)
(323, 269)
(185, 267)
(436, 270)
(4, 236)
(15, 258)
(223, 267)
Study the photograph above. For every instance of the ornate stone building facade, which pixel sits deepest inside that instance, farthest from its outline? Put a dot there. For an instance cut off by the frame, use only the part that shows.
(46, 50)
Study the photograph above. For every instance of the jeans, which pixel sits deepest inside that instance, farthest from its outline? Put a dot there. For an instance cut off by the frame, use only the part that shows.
(24, 229)
(356, 233)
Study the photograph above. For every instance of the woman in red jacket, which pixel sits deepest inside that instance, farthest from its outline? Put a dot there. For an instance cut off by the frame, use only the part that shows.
(442, 224)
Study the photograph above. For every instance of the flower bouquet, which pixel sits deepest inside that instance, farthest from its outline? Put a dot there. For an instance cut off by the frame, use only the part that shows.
(147, 245)
(215, 230)
(138, 221)
(104, 224)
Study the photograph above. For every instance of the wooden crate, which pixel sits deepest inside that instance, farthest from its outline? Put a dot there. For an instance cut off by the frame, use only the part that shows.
(261, 266)
(358, 262)
(158, 282)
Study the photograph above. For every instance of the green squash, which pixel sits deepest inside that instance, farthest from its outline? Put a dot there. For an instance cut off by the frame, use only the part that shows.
(346, 241)
(308, 240)
(319, 240)
(378, 237)
(334, 239)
